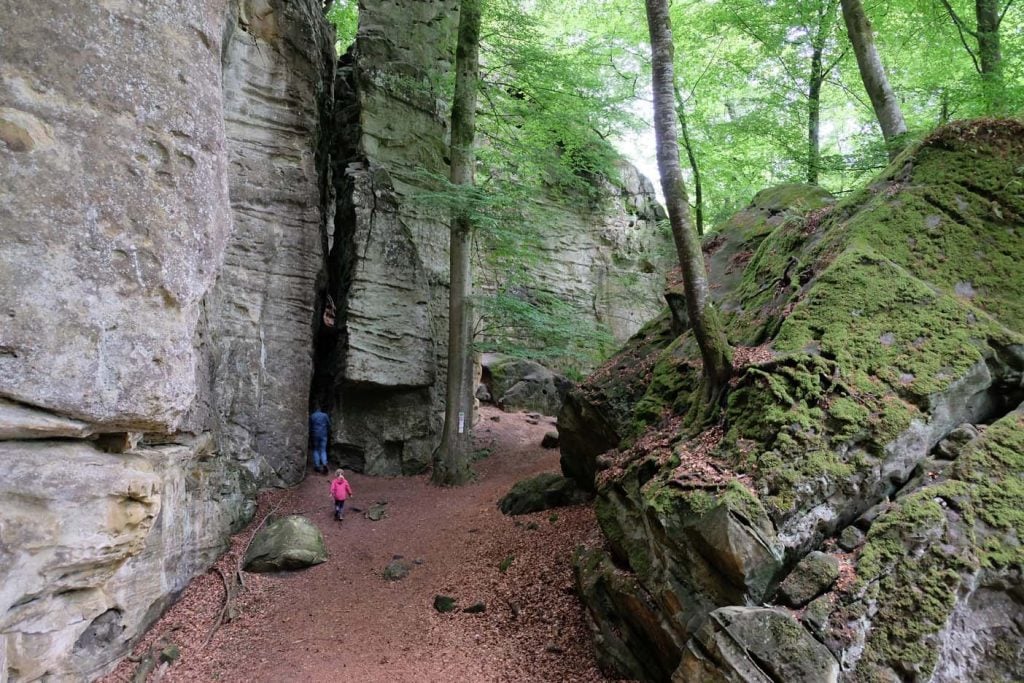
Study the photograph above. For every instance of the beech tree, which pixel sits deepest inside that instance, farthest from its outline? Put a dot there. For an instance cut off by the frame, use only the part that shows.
(451, 459)
(987, 55)
(704, 322)
(876, 83)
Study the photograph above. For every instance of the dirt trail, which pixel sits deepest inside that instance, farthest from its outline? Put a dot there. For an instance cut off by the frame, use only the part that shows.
(342, 621)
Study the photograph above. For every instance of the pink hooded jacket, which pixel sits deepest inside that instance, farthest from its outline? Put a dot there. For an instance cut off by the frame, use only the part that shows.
(340, 488)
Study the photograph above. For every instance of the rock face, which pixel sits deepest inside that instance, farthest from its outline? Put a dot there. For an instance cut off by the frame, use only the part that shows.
(879, 361)
(606, 260)
(162, 217)
(277, 70)
(381, 369)
(521, 384)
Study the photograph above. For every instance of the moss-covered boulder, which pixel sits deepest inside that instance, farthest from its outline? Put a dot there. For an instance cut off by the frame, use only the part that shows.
(521, 384)
(811, 577)
(874, 339)
(543, 492)
(291, 542)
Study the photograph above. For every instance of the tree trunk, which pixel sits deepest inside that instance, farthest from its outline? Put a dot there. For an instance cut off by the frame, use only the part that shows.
(876, 83)
(451, 459)
(814, 116)
(714, 347)
(990, 55)
(698, 203)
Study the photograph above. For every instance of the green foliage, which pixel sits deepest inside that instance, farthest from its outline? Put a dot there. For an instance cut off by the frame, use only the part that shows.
(344, 15)
(518, 317)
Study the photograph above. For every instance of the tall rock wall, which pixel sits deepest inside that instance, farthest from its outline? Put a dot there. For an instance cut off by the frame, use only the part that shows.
(277, 79)
(161, 211)
(607, 258)
(381, 370)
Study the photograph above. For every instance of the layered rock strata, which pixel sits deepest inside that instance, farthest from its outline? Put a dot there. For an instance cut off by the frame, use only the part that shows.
(605, 259)
(864, 480)
(381, 369)
(162, 219)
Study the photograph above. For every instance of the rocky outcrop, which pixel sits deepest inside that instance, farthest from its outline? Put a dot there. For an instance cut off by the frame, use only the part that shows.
(162, 217)
(381, 369)
(879, 358)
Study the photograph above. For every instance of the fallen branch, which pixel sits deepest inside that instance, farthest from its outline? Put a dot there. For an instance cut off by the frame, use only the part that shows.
(228, 612)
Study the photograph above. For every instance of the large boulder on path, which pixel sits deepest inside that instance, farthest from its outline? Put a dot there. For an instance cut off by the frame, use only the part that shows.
(545, 491)
(521, 384)
(866, 335)
(291, 542)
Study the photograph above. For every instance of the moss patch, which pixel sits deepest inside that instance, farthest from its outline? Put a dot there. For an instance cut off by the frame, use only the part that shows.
(993, 467)
(914, 563)
(919, 555)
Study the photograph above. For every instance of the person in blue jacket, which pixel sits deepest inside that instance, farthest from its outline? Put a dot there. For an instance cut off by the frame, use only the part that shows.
(319, 427)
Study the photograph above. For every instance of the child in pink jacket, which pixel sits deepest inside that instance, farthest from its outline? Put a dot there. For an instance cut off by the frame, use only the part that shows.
(340, 490)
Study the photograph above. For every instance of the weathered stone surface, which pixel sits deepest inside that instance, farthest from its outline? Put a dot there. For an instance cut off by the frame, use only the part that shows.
(521, 384)
(850, 538)
(939, 574)
(861, 354)
(632, 634)
(22, 422)
(277, 76)
(754, 645)
(812, 576)
(543, 492)
(381, 371)
(949, 448)
(96, 546)
(607, 259)
(161, 206)
(291, 542)
(115, 211)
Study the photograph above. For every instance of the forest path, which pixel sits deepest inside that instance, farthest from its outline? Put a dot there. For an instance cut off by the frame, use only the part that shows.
(342, 621)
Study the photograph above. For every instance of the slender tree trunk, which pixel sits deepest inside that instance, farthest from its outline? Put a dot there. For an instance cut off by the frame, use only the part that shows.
(698, 203)
(872, 73)
(814, 115)
(990, 54)
(451, 459)
(707, 330)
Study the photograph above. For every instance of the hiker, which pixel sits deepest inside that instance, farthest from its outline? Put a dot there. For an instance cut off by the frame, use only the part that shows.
(319, 426)
(340, 490)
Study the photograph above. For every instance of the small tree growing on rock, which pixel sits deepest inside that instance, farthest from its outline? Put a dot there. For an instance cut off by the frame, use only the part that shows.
(704, 321)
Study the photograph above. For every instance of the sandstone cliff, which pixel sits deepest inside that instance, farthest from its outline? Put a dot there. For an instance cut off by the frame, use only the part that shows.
(865, 481)
(379, 370)
(162, 220)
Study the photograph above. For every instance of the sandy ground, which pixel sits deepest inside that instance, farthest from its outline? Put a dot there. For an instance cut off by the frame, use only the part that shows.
(342, 621)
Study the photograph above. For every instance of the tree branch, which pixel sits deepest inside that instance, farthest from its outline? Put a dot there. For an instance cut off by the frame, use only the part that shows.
(956, 18)
(1003, 13)
(960, 28)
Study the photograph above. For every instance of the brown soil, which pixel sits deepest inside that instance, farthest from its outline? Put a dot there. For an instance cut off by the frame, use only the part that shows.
(342, 620)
